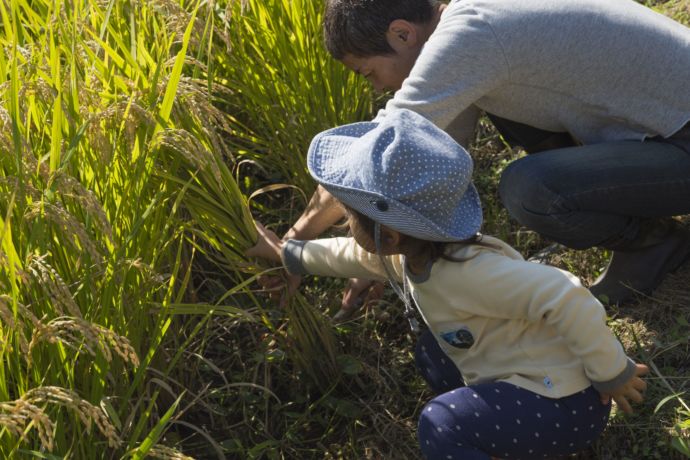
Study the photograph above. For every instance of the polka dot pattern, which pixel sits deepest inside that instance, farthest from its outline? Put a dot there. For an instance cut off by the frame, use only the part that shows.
(499, 419)
(466, 423)
(403, 172)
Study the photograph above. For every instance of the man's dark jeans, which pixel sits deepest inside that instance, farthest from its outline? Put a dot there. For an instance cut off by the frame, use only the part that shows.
(594, 195)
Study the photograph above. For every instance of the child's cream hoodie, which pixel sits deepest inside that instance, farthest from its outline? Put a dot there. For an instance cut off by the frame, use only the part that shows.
(529, 324)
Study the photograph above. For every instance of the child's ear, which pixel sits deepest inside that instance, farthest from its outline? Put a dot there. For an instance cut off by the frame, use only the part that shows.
(390, 240)
(402, 34)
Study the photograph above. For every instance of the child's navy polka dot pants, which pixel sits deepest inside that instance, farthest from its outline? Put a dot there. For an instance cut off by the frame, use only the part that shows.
(499, 419)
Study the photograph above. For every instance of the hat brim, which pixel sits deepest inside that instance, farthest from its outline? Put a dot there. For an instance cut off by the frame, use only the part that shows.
(467, 218)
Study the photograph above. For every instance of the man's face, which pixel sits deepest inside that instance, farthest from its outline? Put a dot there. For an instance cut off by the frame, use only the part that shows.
(385, 72)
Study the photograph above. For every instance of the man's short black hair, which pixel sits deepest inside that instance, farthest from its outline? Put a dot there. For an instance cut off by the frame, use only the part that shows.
(358, 27)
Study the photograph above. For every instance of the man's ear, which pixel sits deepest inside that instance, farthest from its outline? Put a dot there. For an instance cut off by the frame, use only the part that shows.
(402, 35)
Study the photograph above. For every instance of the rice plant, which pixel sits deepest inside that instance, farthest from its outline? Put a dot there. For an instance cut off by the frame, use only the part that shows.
(94, 255)
(122, 128)
(285, 86)
(219, 211)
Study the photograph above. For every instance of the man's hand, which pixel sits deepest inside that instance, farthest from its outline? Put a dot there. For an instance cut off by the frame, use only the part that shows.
(268, 245)
(358, 293)
(632, 389)
(322, 212)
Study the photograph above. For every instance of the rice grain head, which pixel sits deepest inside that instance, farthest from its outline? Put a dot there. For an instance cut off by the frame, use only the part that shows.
(55, 287)
(127, 114)
(77, 333)
(71, 228)
(17, 416)
(11, 185)
(70, 187)
(17, 325)
(87, 412)
(167, 453)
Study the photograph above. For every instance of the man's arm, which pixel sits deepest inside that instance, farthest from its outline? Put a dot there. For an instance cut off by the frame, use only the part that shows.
(322, 212)
(462, 128)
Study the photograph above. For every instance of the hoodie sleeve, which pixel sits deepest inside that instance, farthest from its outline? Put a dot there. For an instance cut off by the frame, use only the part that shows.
(336, 257)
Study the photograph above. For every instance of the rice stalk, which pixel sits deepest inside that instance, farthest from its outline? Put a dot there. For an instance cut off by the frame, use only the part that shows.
(220, 212)
(167, 453)
(285, 86)
(311, 342)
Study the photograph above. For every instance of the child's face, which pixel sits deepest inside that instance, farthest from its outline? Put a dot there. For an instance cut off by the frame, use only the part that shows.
(383, 72)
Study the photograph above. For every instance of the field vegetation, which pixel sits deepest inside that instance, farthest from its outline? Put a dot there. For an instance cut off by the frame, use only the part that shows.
(139, 139)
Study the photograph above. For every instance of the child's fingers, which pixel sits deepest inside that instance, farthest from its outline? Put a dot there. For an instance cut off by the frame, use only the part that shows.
(292, 282)
(270, 282)
(641, 369)
(639, 384)
(636, 396)
(375, 293)
(355, 292)
(623, 404)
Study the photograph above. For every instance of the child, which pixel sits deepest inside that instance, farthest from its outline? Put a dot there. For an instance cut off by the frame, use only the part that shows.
(536, 355)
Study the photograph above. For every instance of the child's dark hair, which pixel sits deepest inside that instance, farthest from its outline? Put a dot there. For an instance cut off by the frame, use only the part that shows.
(425, 251)
(358, 27)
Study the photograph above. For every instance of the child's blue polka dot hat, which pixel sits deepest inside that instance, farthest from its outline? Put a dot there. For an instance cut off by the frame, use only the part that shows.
(403, 172)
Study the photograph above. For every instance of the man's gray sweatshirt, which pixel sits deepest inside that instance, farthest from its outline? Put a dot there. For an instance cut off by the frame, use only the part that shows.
(602, 70)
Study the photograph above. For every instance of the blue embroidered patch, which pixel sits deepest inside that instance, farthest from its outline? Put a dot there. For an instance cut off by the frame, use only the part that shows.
(548, 383)
(462, 338)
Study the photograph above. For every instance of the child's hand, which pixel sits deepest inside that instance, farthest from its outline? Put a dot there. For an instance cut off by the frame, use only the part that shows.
(632, 389)
(268, 245)
(280, 288)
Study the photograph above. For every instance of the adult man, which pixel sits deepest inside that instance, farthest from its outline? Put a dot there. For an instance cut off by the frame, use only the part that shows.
(598, 89)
